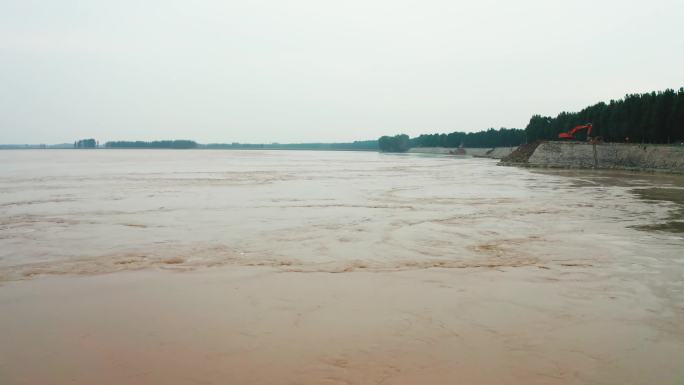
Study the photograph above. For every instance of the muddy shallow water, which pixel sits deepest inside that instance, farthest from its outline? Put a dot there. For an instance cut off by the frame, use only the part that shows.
(183, 267)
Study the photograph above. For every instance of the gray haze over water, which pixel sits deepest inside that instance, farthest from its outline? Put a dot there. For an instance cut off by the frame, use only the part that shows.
(308, 70)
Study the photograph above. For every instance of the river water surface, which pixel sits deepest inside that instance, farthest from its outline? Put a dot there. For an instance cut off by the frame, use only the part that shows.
(281, 267)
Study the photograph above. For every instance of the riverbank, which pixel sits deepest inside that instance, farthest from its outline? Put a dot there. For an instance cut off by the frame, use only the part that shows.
(582, 155)
(492, 153)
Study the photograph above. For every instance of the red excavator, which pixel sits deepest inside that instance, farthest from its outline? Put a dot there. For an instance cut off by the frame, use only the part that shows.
(571, 134)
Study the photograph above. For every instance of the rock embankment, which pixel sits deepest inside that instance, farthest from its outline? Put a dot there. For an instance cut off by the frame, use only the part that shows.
(625, 156)
(493, 153)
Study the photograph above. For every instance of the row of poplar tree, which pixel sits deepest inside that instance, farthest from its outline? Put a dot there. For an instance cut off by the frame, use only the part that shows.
(655, 117)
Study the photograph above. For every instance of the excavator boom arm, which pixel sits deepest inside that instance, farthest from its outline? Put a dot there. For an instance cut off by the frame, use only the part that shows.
(570, 134)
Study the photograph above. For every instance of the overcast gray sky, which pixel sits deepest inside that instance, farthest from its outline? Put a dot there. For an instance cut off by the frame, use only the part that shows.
(313, 70)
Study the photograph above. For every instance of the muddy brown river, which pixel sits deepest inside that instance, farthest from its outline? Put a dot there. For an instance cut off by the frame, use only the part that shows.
(282, 267)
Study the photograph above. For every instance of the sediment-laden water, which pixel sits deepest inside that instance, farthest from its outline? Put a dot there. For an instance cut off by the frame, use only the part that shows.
(182, 267)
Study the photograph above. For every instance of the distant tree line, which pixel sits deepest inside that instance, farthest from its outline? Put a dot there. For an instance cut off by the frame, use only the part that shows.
(176, 144)
(397, 143)
(85, 143)
(368, 145)
(503, 137)
(655, 117)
